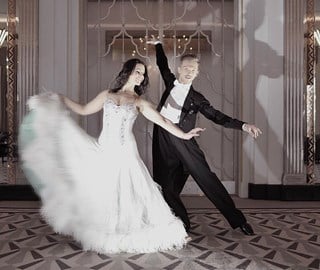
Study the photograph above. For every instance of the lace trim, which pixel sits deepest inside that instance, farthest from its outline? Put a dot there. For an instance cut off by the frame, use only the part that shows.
(125, 105)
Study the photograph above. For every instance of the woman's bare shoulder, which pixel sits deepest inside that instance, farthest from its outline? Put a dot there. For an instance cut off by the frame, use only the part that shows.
(142, 103)
(105, 93)
(139, 100)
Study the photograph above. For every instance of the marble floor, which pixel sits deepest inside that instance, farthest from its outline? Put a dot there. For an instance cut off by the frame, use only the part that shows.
(287, 237)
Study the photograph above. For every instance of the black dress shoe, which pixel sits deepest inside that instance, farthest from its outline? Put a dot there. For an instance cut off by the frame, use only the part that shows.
(247, 229)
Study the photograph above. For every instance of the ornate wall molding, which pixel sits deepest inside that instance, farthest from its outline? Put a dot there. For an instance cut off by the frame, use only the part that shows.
(11, 90)
(294, 168)
(310, 91)
(22, 73)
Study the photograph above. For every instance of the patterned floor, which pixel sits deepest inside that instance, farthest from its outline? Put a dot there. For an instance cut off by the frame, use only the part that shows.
(285, 239)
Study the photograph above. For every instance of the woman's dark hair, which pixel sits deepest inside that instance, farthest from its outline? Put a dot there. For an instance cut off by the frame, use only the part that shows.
(124, 74)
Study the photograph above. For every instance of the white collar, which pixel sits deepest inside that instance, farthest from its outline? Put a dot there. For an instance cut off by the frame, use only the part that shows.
(182, 85)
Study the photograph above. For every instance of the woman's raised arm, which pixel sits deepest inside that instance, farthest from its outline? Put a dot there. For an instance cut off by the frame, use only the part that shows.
(91, 107)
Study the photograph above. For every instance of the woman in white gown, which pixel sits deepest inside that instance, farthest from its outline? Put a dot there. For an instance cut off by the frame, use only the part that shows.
(99, 191)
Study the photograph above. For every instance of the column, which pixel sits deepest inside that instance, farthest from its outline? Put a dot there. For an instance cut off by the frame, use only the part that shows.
(294, 168)
(28, 41)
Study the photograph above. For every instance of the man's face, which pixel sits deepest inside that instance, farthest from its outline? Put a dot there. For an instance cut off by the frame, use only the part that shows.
(188, 70)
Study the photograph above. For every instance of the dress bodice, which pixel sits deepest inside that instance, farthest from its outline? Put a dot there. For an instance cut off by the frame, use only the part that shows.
(118, 121)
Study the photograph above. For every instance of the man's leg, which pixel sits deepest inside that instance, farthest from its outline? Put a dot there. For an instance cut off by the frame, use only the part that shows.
(168, 173)
(179, 178)
(194, 160)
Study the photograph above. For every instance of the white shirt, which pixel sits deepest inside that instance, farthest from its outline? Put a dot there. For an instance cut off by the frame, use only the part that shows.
(174, 103)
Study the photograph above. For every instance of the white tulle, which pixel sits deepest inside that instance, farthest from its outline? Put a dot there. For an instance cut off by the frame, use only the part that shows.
(98, 191)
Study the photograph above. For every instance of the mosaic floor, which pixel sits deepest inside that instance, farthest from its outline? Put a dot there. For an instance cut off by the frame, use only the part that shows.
(285, 239)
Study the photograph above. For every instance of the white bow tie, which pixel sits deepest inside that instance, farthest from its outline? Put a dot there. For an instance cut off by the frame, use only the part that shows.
(181, 85)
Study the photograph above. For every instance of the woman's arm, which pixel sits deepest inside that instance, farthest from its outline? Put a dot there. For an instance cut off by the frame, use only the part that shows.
(153, 115)
(93, 106)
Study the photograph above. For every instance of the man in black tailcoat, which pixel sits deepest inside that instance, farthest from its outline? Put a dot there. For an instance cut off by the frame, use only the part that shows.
(175, 159)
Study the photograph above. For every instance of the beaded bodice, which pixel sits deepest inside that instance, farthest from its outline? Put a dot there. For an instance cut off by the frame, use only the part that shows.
(118, 121)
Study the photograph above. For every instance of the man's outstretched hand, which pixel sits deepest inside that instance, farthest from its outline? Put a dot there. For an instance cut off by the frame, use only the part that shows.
(153, 40)
(252, 130)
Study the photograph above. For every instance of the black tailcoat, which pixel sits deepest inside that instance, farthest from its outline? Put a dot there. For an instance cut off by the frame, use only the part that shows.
(175, 159)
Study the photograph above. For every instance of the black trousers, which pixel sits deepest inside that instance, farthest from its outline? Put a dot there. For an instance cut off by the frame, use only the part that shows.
(173, 160)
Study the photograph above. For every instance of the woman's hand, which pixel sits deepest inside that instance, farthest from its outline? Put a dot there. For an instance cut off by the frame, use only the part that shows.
(193, 133)
(62, 98)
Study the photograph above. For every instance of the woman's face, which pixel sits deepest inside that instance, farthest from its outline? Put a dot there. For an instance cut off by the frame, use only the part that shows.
(137, 75)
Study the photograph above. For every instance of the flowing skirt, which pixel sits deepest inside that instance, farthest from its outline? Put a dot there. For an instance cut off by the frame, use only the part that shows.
(104, 197)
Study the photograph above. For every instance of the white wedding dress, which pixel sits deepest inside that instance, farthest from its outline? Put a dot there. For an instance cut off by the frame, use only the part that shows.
(99, 192)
